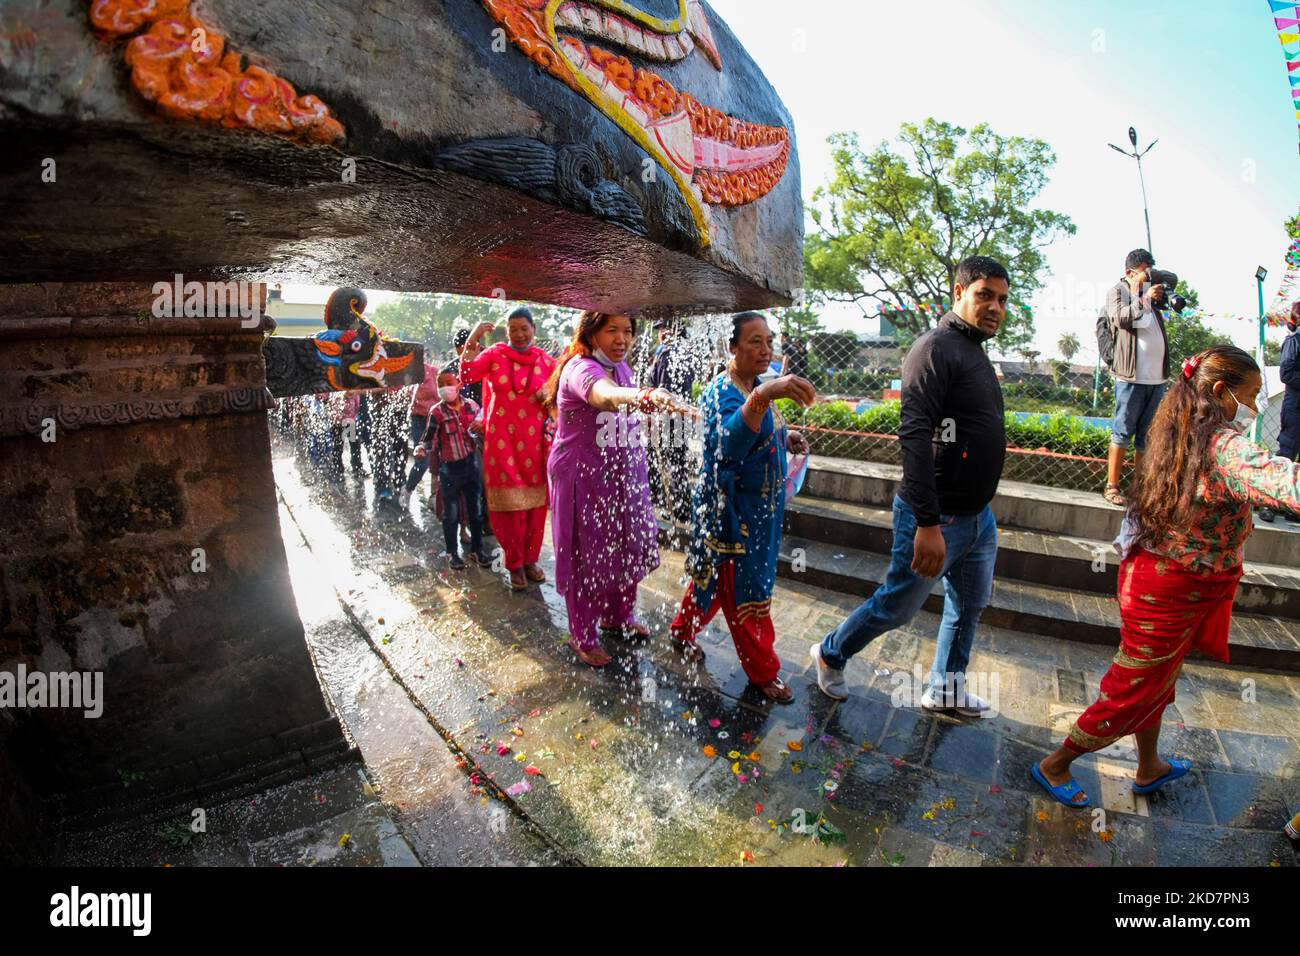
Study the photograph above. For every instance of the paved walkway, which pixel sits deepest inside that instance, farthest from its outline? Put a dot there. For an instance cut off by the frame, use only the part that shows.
(653, 762)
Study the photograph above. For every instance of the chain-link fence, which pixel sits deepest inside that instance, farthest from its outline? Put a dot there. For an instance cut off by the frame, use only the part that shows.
(1058, 409)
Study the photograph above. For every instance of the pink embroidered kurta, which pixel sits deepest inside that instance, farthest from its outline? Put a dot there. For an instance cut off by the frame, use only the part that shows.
(602, 523)
(514, 424)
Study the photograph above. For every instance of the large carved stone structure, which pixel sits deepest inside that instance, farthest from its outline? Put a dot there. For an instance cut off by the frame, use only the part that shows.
(602, 154)
(579, 153)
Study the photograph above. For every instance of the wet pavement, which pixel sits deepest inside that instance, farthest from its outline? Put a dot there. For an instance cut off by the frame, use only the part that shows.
(489, 743)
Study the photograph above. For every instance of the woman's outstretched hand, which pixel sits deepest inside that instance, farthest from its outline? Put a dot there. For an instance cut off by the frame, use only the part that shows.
(793, 387)
(796, 444)
(665, 401)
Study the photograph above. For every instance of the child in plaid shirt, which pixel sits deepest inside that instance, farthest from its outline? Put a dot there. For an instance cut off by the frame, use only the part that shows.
(450, 449)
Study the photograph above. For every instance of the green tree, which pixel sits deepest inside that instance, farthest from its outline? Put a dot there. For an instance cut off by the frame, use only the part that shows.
(892, 226)
(1187, 333)
(801, 321)
(1187, 292)
(432, 318)
(1068, 343)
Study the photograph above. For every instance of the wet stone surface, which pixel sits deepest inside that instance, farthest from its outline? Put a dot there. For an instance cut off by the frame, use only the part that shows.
(653, 761)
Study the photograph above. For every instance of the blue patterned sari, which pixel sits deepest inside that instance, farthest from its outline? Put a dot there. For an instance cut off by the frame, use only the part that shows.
(739, 502)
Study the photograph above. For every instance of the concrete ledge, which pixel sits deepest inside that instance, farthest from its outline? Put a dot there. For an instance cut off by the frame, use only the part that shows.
(1057, 561)
(1058, 511)
(1253, 641)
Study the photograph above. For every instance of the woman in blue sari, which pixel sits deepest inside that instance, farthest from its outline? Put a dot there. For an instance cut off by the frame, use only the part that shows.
(739, 505)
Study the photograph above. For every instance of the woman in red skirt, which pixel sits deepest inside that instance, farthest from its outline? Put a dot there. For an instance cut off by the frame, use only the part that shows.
(1188, 522)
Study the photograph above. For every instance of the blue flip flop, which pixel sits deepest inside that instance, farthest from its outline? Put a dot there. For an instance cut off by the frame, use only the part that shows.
(1063, 793)
(1178, 768)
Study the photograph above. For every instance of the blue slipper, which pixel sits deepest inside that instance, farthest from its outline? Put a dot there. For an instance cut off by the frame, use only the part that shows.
(1063, 793)
(1178, 768)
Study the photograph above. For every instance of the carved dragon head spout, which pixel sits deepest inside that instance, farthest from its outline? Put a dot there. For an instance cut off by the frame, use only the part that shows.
(715, 159)
(351, 349)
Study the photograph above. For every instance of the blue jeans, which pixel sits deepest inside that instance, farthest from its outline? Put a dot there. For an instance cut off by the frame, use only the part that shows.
(457, 479)
(971, 543)
(420, 467)
(1135, 406)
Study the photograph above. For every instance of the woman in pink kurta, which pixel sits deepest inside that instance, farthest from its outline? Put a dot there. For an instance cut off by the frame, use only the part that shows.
(602, 525)
(515, 446)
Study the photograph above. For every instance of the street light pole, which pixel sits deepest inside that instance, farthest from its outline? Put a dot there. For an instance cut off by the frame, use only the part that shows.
(1260, 275)
(1146, 212)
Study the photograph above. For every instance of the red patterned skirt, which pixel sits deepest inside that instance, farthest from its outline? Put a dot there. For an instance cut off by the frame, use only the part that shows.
(1165, 610)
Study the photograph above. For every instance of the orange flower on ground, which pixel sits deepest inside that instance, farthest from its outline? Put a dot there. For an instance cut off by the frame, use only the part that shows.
(795, 746)
(710, 751)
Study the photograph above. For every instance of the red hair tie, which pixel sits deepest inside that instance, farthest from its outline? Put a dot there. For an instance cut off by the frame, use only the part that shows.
(1190, 366)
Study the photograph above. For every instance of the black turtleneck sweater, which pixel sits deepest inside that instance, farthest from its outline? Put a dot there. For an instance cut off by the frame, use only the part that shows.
(953, 429)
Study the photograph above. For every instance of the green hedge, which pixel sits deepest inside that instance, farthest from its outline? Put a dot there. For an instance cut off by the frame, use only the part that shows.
(1059, 433)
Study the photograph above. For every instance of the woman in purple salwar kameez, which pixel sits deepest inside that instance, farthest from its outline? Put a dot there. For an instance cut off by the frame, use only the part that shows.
(602, 526)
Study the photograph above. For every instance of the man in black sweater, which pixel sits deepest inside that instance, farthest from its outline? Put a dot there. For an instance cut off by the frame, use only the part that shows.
(954, 443)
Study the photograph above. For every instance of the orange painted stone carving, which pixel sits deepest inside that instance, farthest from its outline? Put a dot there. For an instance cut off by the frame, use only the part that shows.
(183, 66)
(728, 161)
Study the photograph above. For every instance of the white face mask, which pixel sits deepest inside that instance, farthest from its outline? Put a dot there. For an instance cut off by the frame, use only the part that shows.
(1244, 416)
(449, 393)
(600, 356)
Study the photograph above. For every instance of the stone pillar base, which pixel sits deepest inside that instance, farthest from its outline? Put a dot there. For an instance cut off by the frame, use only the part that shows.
(143, 551)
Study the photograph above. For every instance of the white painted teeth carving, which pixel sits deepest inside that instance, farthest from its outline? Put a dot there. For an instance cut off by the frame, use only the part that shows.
(584, 19)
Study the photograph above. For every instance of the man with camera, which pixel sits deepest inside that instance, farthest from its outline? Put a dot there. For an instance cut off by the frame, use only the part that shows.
(1288, 441)
(1135, 313)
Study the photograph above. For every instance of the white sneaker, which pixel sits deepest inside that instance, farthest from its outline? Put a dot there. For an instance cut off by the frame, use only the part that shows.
(403, 498)
(933, 701)
(974, 706)
(829, 679)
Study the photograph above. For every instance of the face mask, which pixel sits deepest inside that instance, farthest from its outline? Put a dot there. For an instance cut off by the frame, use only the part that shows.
(1244, 417)
(449, 393)
(521, 349)
(600, 356)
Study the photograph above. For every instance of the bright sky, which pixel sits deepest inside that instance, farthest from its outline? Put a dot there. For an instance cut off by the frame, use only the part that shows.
(1206, 77)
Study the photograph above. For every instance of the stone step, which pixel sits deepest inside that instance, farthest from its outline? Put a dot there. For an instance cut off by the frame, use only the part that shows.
(1254, 641)
(1076, 563)
(1056, 511)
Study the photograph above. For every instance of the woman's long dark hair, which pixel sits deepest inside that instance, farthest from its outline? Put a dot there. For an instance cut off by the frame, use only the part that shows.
(1179, 441)
(589, 323)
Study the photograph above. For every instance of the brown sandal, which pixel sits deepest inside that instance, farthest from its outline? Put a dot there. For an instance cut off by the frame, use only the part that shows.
(778, 691)
(690, 652)
(633, 630)
(596, 657)
(518, 582)
(1115, 496)
(534, 573)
